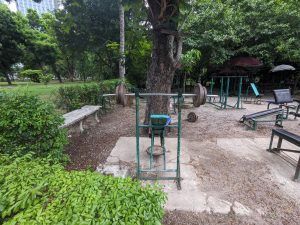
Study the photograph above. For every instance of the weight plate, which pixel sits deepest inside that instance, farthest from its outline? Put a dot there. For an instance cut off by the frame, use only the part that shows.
(204, 95)
(192, 117)
(198, 91)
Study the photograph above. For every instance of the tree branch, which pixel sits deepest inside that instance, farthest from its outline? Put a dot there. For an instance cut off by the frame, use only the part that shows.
(163, 7)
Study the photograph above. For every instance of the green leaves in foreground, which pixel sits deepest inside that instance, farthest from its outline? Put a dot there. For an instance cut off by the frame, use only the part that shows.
(33, 192)
(28, 124)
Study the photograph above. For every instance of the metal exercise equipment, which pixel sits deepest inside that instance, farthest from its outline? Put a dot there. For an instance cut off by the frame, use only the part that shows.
(192, 117)
(158, 124)
(282, 98)
(251, 120)
(122, 97)
(223, 97)
(142, 172)
(290, 137)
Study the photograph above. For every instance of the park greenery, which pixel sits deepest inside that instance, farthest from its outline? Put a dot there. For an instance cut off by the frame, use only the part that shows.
(36, 191)
(81, 41)
(78, 46)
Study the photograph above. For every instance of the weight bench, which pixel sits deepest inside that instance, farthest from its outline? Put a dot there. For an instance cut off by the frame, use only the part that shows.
(79, 115)
(251, 120)
(290, 137)
(281, 98)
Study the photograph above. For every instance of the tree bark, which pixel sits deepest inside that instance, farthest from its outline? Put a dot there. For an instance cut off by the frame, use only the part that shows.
(122, 42)
(7, 78)
(164, 63)
(166, 51)
(57, 74)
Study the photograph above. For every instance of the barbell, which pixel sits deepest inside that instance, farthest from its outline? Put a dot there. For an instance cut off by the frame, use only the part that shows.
(199, 95)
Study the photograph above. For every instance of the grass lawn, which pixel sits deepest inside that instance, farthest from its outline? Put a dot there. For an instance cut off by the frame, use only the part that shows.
(45, 92)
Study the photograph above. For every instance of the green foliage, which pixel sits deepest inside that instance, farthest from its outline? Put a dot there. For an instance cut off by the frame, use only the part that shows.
(34, 75)
(29, 124)
(46, 78)
(74, 97)
(10, 39)
(190, 59)
(51, 195)
(268, 30)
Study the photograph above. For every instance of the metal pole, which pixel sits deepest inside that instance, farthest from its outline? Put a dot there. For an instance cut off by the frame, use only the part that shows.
(239, 92)
(221, 91)
(227, 92)
(178, 142)
(137, 123)
(211, 87)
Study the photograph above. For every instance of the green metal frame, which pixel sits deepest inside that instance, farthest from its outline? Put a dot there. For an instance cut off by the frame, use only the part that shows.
(252, 123)
(142, 171)
(223, 97)
(278, 149)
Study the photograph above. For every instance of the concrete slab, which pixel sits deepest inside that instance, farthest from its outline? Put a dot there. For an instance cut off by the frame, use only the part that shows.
(190, 197)
(282, 166)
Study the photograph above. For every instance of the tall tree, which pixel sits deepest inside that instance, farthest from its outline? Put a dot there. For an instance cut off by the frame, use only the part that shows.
(10, 41)
(166, 51)
(122, 41)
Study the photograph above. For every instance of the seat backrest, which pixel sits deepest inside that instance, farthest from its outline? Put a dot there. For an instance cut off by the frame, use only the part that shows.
(253, 86)
(282, 96)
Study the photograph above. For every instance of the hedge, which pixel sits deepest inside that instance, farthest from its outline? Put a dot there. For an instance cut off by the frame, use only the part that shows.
(34, 192)
(30, 124)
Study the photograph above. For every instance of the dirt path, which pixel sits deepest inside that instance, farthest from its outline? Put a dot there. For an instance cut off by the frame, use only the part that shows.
(224, 175)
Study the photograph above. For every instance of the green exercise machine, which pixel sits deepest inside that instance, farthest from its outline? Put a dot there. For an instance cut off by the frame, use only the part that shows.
(225, 81)
(159, 123)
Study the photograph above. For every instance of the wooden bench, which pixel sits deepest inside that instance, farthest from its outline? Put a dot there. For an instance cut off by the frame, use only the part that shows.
(290, 137)
(79, 115)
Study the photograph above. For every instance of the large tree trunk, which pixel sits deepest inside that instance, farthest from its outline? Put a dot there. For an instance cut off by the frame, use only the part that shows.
(122, 42)
(7, 78)
(167, 47)
(56, 73)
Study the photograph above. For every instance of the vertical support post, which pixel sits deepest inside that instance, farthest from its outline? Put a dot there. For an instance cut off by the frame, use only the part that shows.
(137, 134)
(178, 143)
(164, 148)
(297, 173)
(279, 143)
(151, 148)
(271, 141)
(221, 91)
(227, 92)
(211, 87)
(81, 126)
(239, 92)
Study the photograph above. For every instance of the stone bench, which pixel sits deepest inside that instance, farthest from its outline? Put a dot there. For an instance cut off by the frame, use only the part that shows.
(79, 115)
(290, 137)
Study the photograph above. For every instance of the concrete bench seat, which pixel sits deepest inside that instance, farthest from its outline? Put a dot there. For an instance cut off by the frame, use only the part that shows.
(79, 115)
(290, 137)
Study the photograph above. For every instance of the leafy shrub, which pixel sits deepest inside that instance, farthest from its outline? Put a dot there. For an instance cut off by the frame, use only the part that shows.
(29, 124)
(2, 79)
(46, 78)
(51, 195)
(34, 75)
(74, 97)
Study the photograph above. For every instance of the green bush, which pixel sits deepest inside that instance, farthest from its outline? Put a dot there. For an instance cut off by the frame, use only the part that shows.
(34, 192)
(74, 97)
(46, 78)
(29, 124)
(34, 75)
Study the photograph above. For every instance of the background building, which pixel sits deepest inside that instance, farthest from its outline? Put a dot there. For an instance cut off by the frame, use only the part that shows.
(43, 7)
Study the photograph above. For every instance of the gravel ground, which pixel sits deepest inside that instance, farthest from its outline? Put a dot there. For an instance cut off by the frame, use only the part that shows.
(225, 175)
